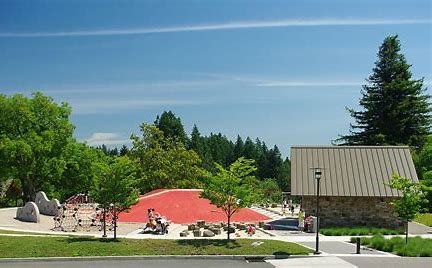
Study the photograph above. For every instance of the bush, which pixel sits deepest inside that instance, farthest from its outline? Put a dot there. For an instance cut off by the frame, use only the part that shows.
(377, 242)
(416, 247)
(357, 231)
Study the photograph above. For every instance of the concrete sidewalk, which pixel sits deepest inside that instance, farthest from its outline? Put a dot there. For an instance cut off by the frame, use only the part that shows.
(318, 261)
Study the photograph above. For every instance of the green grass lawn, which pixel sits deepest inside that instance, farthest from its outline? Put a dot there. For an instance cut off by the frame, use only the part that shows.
(27, 246)
(425, 219)
(416, 247)
(338, 231)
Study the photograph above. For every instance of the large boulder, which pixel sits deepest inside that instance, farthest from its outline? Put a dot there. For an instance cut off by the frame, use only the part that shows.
(216, 231)
(184, 233)
(29, 213)
(46, 206)
(208, 233)
(192, 227)
(201, 223)
(197, 233)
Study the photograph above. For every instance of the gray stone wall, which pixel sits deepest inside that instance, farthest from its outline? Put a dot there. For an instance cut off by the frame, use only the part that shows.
(353, 211)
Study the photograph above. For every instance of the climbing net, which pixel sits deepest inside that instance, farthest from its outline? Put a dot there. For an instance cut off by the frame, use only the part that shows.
(80, 213)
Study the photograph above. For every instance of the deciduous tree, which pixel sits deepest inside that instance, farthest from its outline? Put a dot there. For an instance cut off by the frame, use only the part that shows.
(227, 189)
(33, 133)
(409, 204)
(116, 187)
(164, 161)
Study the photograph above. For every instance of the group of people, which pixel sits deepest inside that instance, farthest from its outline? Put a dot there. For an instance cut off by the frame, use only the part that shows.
(155, 222)
(303, 222)
(287, 205)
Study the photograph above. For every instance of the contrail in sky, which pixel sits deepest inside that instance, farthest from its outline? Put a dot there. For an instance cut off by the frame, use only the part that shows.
(221, 26)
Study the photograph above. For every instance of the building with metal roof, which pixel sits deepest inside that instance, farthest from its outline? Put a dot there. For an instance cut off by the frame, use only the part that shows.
(354, 183)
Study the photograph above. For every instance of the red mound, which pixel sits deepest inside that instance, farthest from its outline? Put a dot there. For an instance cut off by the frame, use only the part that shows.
(184, 206)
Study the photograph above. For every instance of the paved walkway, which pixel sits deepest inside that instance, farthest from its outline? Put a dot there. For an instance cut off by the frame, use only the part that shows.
(270, 214)
(321, 261)
(418, 228)
(337, 247)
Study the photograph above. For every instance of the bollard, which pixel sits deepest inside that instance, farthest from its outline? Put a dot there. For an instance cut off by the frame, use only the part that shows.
(358, 245)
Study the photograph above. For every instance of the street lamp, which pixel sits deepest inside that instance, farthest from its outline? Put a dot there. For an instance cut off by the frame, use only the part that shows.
(318, 174)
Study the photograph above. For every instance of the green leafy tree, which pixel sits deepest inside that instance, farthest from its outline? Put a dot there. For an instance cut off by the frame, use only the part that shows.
(171, 126)
(116, 187)
(409, 204)
(270, 191)
(33, 133)
(395, 106)
(164, 161)
(423, 162)
(227, 189)
(80, 169)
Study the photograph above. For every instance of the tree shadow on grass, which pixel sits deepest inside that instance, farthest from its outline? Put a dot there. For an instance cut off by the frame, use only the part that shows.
(209, 242)
(90, 239)
(281, 254)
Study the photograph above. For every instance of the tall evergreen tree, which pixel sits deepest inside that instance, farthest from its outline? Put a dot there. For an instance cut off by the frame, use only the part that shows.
(171, 126)
(238, 148)
(123, 150)
(196, 142)
(396, 108)
(249, 150)
(283, 178)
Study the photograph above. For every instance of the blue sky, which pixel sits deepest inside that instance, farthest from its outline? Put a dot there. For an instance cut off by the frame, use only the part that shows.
(283, 71)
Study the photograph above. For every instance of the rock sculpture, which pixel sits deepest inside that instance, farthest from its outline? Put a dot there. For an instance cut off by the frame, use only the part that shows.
(46, 206)
(29, 213)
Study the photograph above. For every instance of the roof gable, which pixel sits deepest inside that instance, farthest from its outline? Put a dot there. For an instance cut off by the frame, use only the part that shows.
(349, 170)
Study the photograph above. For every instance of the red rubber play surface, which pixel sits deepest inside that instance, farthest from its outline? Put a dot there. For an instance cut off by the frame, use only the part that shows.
(184, 206)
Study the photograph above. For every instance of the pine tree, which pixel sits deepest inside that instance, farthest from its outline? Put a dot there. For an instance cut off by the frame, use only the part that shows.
(238, 149)
(123, 150)
(396, 108)
(196, 143)
(249, 151)
(171, 126)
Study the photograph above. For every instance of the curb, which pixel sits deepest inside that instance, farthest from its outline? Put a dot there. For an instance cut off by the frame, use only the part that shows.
(153, 257)
(266, 232)
(269, 210)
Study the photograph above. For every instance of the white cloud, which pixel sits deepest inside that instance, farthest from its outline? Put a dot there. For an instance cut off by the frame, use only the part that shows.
(307, 83)
(106, 138)
(103, 106)
(223, 26)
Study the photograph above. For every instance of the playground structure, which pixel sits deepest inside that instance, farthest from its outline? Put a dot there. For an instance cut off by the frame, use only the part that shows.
(80, 213)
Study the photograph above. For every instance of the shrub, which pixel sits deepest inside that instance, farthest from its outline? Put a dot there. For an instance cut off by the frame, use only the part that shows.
(416, 247)
(356, 231)
(377, 242)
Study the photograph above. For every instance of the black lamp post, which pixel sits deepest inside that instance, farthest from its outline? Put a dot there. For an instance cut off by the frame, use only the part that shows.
(318, 178)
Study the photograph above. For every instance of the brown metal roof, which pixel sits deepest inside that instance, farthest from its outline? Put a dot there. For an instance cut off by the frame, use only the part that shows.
(349, 170)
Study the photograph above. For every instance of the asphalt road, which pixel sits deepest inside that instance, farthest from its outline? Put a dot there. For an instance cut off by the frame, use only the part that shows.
(174, 263)
(391, 262)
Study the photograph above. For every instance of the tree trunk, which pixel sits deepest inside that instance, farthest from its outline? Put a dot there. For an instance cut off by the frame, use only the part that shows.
(29, 191)
(229, 224)
(406, 233)
(104, 222)
(115, 224)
